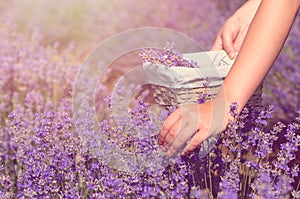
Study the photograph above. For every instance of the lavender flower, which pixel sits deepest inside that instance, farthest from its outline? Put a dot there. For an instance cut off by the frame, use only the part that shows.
(197, 193)
(42, 156)
(169, 56)
(264, 186)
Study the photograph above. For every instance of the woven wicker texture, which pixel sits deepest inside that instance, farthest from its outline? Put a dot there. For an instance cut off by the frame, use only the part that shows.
(173, 97)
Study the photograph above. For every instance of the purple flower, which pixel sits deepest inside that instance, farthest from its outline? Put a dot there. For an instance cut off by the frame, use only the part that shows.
(296, 194)
(283, 187)
(263, 186)
(169, 56)
(42, 156)
(197, 193)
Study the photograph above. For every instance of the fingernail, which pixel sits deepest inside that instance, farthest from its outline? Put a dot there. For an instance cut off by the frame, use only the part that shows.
(231, 55)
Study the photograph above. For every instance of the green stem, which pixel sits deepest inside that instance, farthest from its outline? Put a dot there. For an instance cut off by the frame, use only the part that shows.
(245, 177)
(205, 181)
(193, 176)
(249, 182)
(209, 174)
(226, 156)
(298, 186)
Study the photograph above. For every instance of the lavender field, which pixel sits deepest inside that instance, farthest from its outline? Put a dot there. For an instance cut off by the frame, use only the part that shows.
(43, 45)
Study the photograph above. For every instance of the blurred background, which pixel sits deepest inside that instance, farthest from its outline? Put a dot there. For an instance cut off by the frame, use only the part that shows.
(43, 44)
(89, 22)
(82, 24)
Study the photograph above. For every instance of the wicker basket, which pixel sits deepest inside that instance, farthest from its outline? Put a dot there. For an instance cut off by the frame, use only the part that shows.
(168, 97)
(173, 86)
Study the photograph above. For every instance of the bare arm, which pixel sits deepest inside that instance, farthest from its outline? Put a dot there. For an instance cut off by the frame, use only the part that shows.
(263, 42)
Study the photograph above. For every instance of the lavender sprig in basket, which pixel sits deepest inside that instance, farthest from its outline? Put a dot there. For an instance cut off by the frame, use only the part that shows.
(189, 78)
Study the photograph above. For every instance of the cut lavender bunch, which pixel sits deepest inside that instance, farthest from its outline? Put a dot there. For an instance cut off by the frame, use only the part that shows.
(168, 56)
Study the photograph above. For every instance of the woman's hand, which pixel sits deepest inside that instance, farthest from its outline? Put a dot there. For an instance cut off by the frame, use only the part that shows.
(234, 30)
(190, 125)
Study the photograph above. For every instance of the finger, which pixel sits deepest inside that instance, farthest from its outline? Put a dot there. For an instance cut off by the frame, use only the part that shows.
(183, 136)
(171, 136)
(239, 40)
(237, 44)
(197, 139)
(173, 132)
(169, 122)
(228, 40)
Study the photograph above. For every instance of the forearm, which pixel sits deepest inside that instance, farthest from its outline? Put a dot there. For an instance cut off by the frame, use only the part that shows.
(263, 42)
(247, 11)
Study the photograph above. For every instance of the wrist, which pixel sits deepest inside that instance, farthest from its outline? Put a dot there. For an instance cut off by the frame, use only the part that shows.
(223, 103)
(220, 113)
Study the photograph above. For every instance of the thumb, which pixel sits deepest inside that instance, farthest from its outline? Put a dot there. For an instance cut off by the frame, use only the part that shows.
(218, 44)
(195, 141)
